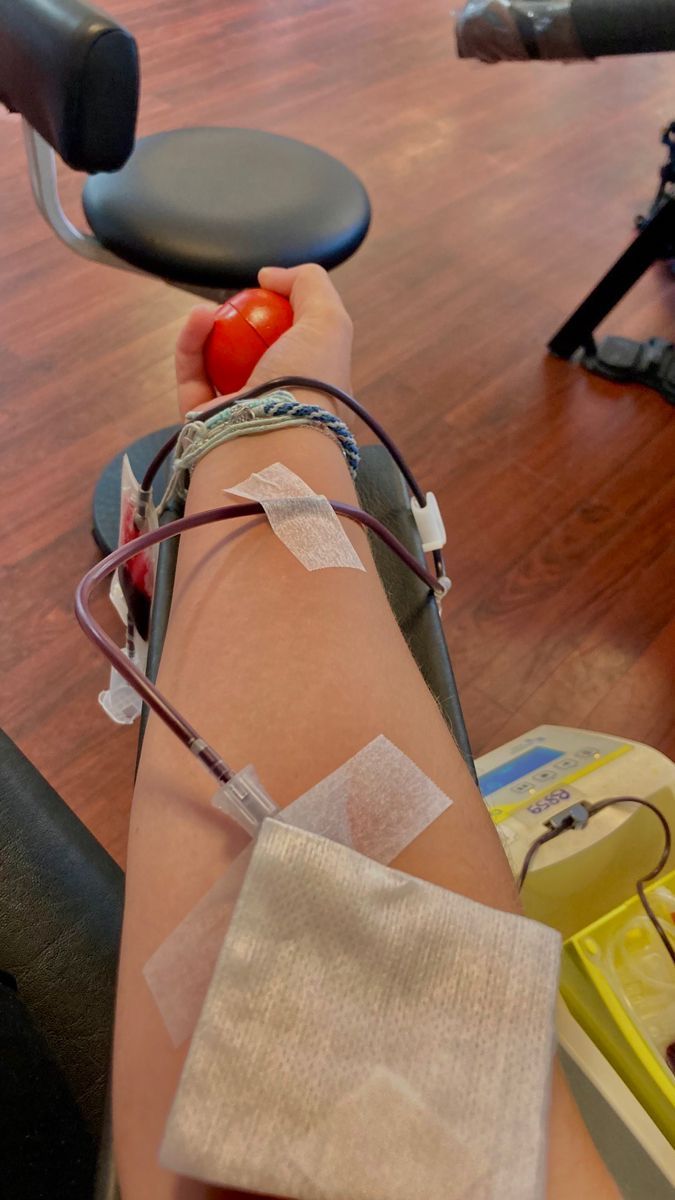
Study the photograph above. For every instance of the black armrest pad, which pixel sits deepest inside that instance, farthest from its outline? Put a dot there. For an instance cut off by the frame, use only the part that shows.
(383, 493)
(46, 1149)
(74, 75)
(61, 901)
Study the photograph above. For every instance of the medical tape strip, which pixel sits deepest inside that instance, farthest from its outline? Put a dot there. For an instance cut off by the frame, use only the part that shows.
(404, 1117)
(179, 972)
(378, 802)
(302, 520)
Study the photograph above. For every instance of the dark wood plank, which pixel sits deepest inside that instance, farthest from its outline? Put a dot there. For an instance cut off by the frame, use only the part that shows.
(643, 707)
(500, 195)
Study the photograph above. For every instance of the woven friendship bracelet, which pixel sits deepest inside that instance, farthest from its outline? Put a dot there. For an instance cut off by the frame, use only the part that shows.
(265, 414)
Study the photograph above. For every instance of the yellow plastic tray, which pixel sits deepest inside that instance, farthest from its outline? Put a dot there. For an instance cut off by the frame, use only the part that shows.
(589, 988)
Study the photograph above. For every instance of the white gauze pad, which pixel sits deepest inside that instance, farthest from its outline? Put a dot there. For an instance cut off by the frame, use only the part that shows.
(377, 802)
(302, 520)
(367, 1034)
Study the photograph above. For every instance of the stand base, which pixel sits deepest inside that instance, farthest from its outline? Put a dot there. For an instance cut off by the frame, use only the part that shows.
(648, 247)
(106, 510)
(651, 363)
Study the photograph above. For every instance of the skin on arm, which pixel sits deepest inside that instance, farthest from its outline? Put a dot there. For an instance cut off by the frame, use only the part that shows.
(293, 671)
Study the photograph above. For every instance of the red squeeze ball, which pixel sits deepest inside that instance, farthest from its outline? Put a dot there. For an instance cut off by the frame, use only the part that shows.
(244, 328)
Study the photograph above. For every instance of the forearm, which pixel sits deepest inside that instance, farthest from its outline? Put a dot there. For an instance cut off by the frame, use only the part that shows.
(293, 671)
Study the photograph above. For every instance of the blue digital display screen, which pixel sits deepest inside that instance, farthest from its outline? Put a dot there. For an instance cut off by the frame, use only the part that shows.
(499, 777)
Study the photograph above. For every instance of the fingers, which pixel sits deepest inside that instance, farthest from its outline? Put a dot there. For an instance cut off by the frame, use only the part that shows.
(194, 388)
(319, 342)
(309, 288)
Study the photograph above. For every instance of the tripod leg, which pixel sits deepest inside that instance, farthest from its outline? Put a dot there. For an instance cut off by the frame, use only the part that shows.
(648, 246)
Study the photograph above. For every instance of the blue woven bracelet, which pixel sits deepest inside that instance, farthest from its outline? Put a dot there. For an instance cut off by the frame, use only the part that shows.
(278, 405)
(283, 404)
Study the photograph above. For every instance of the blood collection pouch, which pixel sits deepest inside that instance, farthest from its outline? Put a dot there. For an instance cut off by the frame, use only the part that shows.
(132, 584)
(131, 591)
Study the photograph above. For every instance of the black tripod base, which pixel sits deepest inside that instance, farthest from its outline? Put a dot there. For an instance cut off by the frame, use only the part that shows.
(106, 512)
(651, 363)
(648, 247)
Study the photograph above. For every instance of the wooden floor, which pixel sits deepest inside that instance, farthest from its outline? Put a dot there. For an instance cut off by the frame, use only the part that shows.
(499, 194)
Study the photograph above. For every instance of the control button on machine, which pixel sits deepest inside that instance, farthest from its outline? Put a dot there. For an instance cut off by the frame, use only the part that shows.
(544, 776)
(568, 764)
(520, 788)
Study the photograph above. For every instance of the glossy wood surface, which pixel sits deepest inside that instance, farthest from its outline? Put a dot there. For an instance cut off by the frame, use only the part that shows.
(500, 195)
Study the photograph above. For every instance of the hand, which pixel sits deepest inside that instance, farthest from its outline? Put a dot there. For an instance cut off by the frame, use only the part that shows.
(319, 343)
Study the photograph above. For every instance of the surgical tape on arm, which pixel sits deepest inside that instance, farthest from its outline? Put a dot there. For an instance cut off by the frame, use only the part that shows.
(367, 1034)
(302, 520)
(377, 802)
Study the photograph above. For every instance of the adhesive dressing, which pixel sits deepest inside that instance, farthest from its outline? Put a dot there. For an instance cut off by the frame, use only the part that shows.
(377, 802)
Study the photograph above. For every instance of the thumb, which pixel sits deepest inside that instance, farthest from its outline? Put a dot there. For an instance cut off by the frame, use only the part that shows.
(308, 287)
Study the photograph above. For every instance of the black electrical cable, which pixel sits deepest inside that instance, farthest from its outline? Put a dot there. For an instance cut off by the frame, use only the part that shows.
(536, 844)
(592, 809)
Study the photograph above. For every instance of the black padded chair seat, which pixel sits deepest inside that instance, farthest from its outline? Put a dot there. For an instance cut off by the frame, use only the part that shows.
(210, 206)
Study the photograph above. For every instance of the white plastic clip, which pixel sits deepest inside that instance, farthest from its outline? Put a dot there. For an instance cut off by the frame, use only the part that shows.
(429, 522)
(121, 703)
(244, 799)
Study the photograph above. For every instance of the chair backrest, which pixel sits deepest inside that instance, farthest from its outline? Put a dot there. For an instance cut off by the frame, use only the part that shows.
(73, 74)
